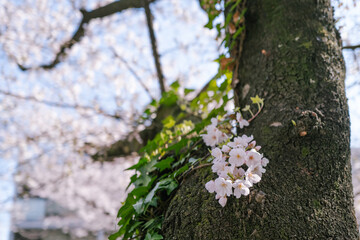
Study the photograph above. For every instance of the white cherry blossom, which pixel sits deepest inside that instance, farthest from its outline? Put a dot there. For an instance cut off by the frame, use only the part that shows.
(259, 170)
(251, 176)
(253, 158)
(223, 187)
(242, 122)
(241, 187)
(211, 138)
(217, 154)
(225, 149)
(237, 157)
(228, 162)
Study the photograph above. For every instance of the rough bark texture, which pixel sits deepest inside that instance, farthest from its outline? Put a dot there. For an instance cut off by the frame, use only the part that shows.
(307, 186)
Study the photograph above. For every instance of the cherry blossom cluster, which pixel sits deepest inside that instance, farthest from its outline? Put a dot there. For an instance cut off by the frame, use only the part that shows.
(238, 163)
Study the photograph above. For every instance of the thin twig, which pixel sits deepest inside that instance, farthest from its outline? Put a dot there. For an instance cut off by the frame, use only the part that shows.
(133, 72)
(59, 105)
(253, 117)
(353, 47)
(154, 45)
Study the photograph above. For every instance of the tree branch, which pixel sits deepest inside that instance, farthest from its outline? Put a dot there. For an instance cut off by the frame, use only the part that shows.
(351, 47)
(133, 73)
(154, 45)
(109, 9)
(60, 105)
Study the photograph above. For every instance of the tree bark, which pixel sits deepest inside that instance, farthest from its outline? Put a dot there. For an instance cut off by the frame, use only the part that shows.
(291, 58)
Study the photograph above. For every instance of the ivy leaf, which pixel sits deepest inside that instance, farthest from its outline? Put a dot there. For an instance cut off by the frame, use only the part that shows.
(181, 170)
(154, 103)
(169, 98)
(212, 85)
(148, 223)
(139, 206)
(127, 208)
(246, 108)
(140, 191)
(167, 184)
(175, 85)
(209, 25)
(169, 122)
(238, 32)
(257, 100)
(164, 164)
(115, 236)
(134, 226)
(235, 5)
(154, 236)
(178, 146)
(143, 180)
(188, 90)
(141, 163)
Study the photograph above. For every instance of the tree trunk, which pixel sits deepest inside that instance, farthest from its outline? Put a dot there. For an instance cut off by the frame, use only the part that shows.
(291, 58)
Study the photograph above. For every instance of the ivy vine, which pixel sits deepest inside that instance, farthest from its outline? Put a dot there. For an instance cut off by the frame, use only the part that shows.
(173, 153)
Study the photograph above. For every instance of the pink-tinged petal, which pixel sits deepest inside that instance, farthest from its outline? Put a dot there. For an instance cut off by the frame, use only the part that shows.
(243, 123)
(238, 117)
(225, 149)
(223, 201)
(210, 186)
(216, 153)
(264, 162)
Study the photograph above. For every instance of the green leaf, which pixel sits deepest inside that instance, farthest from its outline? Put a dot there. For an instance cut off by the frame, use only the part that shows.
(140, 191)
(175, 85)
(154, 103)
(169, 122)
(169, 98)
(115, 236)
(188, 90)
(142, 162)
(228, 18)
(209, 25)
(178, 146)
(147, 111)
(154, 236)
(127, 208)
(238, 32)
(139, 206)
(234, 6)
(164, 164)
(246, 108)
(212, 86)
(148, 223)
(257, 100)
(143, 180)
(134, 226)
(181, 170)
(168, 184)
